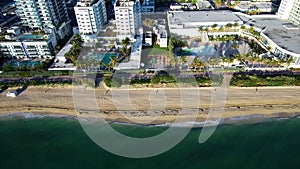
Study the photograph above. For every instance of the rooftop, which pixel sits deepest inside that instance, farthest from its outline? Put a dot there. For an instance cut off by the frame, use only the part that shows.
(202, 16)
(86, 3)
(135, 56)
(108, 30)
(125, 3)
(281, 32)
(60, 60)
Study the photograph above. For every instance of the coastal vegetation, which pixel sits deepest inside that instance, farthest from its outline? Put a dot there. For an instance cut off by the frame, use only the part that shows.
(73, 54)
(164, 79)
(243, 79)
(35, 82)
(174, 43)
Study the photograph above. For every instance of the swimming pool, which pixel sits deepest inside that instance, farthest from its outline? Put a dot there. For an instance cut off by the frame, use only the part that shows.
(104, 57)
(27, 64)
(30, 36)
(204, 50)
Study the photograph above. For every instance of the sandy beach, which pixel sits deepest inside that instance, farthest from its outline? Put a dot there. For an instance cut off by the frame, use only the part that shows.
(152, 106)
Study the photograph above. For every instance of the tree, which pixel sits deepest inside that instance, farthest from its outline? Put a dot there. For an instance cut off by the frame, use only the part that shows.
(228, 26)
(125, 42)
(218, 3)
(175, 43)
(251, 29)
(183, 59)
(235, 25)
(148, 23)
(234, 46)
(214, 26)
(243, 27)
(7, 67)
(197, 64)
(221, 29)
(200, 29)
(171, 59)
(113, 62)
(289, 61)
(1, 58)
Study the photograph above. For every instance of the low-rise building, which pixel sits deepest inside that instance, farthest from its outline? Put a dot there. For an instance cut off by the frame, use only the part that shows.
(163, 39)
(186, 23)
(159, 29)
(135, 56)
(29, 45)
(148, 38)
(282, 38)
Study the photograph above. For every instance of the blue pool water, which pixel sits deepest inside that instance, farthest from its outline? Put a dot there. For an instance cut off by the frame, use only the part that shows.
(198, 51)
(30, 36)
(104, 57)
(26, 63)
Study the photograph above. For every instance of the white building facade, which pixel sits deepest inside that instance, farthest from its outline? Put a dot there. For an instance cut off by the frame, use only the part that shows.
(42, 13)
(290, 9)
(128, 17)
(91, 16)
(30, 47)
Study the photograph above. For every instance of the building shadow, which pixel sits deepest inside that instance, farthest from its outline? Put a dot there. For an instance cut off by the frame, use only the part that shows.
(21, 90)
(3, 89)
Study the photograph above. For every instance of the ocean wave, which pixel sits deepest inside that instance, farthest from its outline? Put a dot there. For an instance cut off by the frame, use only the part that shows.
(208, 123)
(32, 116)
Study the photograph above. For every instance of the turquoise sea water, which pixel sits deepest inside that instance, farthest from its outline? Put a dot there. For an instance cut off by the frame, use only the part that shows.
(61, 143)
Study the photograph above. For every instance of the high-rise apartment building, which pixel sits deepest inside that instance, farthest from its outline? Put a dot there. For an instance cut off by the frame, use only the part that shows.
(295, 13)
(128, 17)
(42, 13)
(91, 16)
(290, 9)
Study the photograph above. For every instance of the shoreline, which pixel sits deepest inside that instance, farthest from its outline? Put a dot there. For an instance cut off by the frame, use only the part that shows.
(269, 102)
(235, 120)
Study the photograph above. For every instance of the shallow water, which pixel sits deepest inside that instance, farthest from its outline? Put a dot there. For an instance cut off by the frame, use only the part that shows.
(60, 142)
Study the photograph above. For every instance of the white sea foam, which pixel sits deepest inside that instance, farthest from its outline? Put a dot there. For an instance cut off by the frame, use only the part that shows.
(32, 115)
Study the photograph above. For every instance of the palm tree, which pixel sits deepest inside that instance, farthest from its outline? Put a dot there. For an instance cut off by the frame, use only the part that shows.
(197, 64)
(228, 26)
(113, 62)
(269, 48)
(239, 57)
(171, 59)
(251, 29)
(235, 25)
(221, 29)
(101, 63)
(148, 23)
(218, 3)
(282, 61)
(125, 42)
(200, 29)
(289, 61)
(214, 26)
(224, 59)
(234, 46)
(243, 27)
(183, 59)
